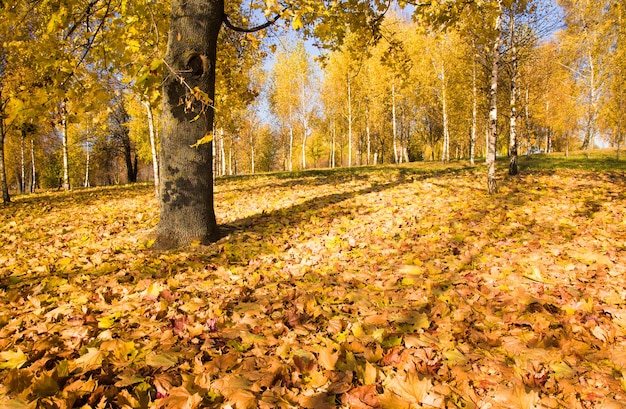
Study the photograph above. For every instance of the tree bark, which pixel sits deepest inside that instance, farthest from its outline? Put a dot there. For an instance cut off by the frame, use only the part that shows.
(349, 122)
(33, 179)
(394, 128)
(493, 111)
(445, 153)
(513, 169)
(186, 194)
(22, 164)
(153, 146)
(6, 198)
(87, 166)
(66, 167)
(474, 113)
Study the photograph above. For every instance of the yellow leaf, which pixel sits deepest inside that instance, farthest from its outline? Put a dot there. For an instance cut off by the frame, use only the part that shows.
(562, 370)
(296, 23)
(455, 357)
(90, 361)
(11, 360)
(161, 361)
(108, 321)
(208, 137)
(328, 358)
(369, 374)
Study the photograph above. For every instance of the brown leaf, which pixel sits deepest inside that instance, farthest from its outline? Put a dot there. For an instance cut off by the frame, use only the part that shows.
(363, 397)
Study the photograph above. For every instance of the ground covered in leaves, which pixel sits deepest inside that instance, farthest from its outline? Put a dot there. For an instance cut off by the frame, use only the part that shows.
(396, 287)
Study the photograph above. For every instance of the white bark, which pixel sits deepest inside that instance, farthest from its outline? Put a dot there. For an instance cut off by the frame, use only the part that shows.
(64, 140)
(33, 180)
(349, 122)
(393, 120)
(493, 111)
(86, 184)
(153, 147)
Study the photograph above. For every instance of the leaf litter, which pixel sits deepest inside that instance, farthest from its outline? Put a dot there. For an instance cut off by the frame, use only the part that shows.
(392, 287)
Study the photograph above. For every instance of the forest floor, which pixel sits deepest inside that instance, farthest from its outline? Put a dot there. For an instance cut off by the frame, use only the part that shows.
(390, 287)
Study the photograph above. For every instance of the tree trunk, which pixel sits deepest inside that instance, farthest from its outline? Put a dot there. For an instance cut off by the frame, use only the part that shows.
(33, 179)
(513, 169)
(6, 198)
(153, 146)
(368, 134)
(592, 108)
(394, 128)
(222, 152)
(87, 166)
(230, 155)
(304, 138)
(186, 195)
(493, 111)
(333, 144)
(474, 113)
(252, 164)
(22, 164)
(349, 122)
(66, 167)
(445, 153)
(131, 161)
(290, 140)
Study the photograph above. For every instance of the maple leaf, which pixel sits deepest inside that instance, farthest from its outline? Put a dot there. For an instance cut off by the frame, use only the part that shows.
(180, 398)
(89, 361)
(10, 359)
(362, 397)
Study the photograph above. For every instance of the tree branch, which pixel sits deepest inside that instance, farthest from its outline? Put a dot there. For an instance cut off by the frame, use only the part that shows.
(260, 27)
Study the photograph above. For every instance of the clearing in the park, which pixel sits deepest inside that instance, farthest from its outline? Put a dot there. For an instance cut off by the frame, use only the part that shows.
(388, 287)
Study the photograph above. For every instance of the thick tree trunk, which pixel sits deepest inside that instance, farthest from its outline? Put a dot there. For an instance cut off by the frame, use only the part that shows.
(493, 111)
(6, 198)
(186, 195)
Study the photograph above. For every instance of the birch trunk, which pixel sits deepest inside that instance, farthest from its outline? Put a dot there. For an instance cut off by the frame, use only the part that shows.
(513, 169)
(153, 147)
(474, 114)
(6, 198)
(493, 110)
(66, 167)
(86, 184)
(394, 127)
(22, 164)
(368, 134)
(33, 179)
(349, 122)
(445, 153)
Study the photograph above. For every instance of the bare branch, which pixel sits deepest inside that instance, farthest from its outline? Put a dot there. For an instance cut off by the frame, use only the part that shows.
(260, 27)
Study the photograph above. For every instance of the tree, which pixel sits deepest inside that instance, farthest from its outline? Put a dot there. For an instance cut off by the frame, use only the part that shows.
(585, 20)
(290, 95)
